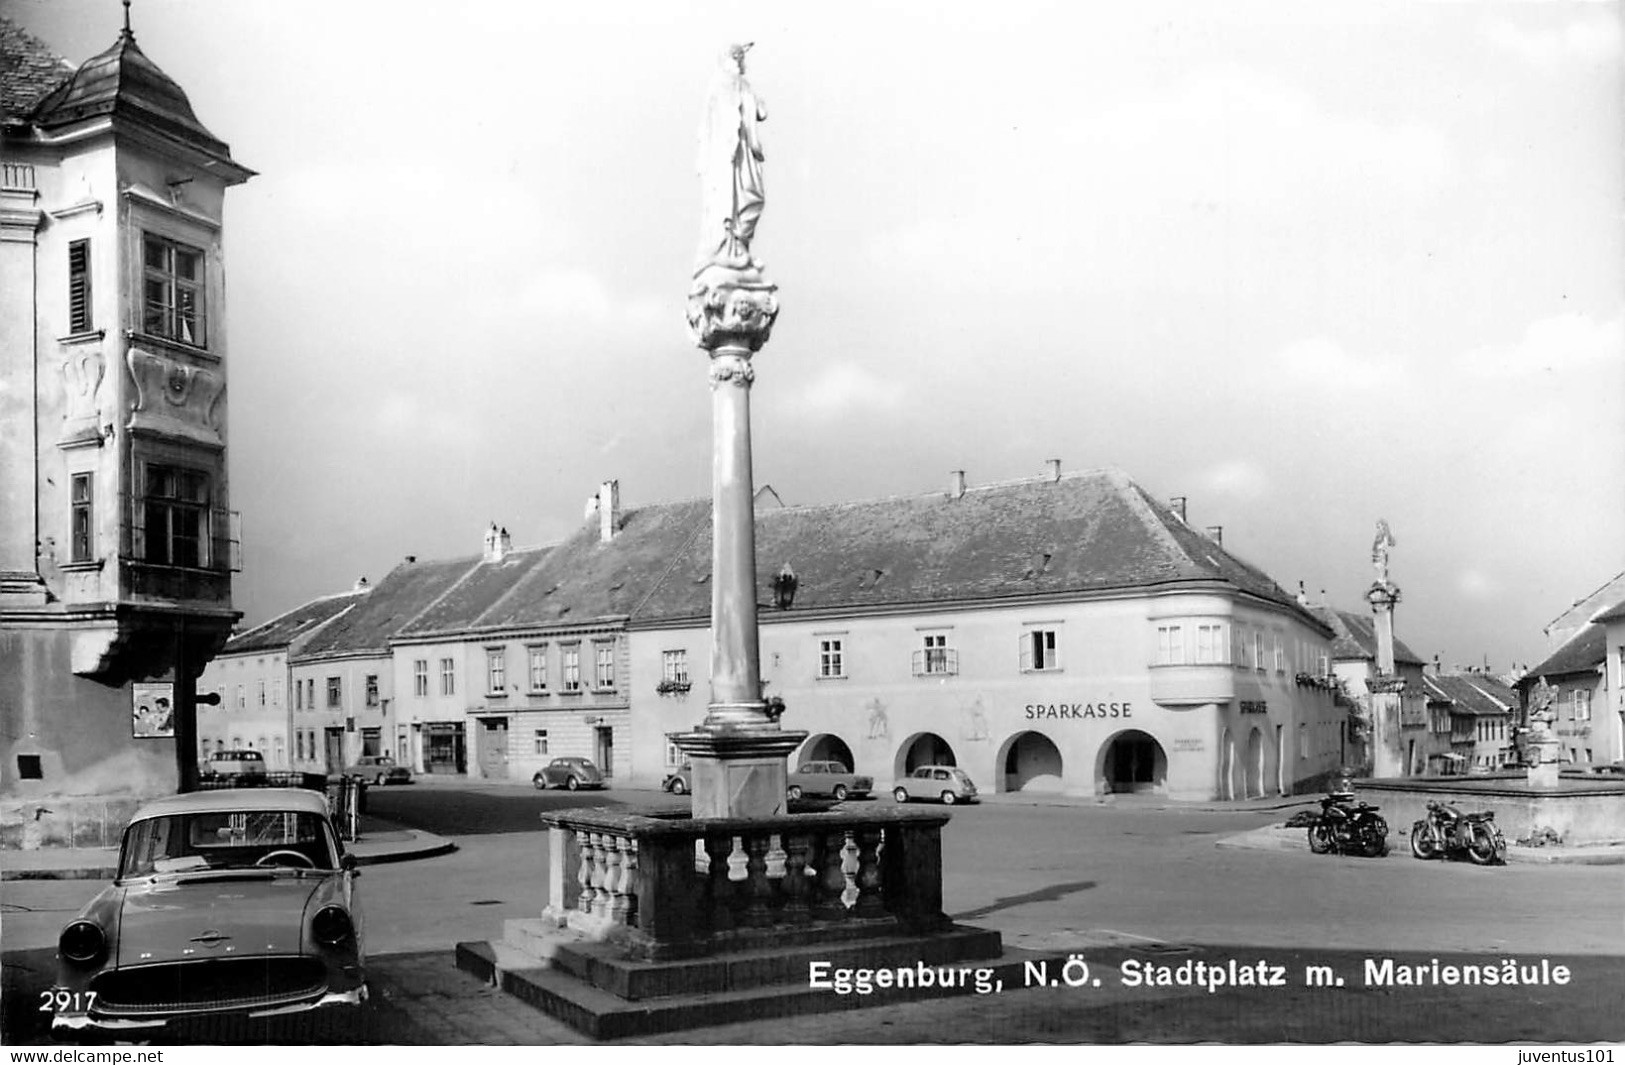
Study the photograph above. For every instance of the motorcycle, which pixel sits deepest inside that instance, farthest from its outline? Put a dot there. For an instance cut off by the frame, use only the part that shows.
(1347, 827)
(1447, 831)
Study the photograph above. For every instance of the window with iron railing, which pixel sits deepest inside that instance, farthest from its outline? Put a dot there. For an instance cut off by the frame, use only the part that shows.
(172, 292)
(936, 657)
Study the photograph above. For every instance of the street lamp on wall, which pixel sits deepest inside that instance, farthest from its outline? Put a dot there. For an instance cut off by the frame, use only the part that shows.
(784, 588)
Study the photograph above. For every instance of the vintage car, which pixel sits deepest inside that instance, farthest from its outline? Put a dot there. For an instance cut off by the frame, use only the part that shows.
(945, 783)
(231, 905)
(828, 778)
(233, 763)
(378, 769)
(679, 781)
(571, 773)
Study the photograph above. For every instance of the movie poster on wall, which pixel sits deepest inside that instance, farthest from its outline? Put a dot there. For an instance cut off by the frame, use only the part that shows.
(153, 710)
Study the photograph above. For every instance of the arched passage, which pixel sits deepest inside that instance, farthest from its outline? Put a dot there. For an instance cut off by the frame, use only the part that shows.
(1030, 761)
(1133, 761)
(1255, 764)
(826, 747)
(923, 748)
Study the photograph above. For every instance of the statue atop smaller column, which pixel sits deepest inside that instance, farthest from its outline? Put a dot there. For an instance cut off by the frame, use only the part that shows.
(1380, 547)
(730, 167)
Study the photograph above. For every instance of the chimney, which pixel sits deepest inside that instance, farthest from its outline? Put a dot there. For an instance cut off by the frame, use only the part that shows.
(1178, 505)
(1216, 534)
(411, 558)
(1052, 469)
(497, 543)
(1438, 668)
(361, 585)
(956, 484)
(609, 511)
(1303, 596)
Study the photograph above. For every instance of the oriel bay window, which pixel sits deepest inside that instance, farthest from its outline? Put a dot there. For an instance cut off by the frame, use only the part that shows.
(172, 292)
(175, 517)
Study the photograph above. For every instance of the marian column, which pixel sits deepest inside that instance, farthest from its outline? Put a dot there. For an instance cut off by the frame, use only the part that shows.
(1388, 755)
(738, 752)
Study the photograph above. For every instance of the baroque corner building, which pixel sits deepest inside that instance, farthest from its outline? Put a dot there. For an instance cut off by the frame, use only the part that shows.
(117, 543)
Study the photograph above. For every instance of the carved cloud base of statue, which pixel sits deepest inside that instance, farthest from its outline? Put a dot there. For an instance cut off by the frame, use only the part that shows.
(731, 306)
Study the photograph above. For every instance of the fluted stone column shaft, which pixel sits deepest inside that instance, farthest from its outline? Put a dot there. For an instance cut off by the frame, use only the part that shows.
(736, 693)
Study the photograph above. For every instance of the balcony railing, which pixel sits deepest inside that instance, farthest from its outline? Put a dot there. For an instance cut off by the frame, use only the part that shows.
(936, 661)
(222, 553)
(671, 887)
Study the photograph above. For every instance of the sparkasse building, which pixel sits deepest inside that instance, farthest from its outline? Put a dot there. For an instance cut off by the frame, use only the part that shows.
(1066, 633)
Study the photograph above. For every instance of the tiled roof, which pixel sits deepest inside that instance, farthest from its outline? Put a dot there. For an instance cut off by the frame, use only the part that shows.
(1094, 531)
(1471, 693)
(279, 633)
(476, 593)
(404, 593)
(583, 579)
(1355, 636)
(1583, 652)
(28, 70)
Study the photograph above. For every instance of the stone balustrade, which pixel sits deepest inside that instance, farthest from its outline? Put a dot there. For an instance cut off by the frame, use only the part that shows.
(672, 886)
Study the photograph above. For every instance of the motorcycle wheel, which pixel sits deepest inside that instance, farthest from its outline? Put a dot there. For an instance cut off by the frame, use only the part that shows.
(1481, 848)
(1374, 838)
(1423, 845)
(1320, 839)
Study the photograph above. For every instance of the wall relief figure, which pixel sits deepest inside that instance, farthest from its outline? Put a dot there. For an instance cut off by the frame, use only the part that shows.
(974, 726)
(879, 727)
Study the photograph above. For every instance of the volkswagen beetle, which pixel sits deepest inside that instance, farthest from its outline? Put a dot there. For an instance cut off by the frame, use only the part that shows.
(227, 905)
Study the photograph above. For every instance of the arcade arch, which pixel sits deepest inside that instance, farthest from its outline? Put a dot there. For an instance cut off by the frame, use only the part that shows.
(1133, 761)
(922, 748)
(827, 747)
(1029, 761)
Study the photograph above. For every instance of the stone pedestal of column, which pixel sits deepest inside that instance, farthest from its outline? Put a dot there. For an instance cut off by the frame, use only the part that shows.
(739, 773)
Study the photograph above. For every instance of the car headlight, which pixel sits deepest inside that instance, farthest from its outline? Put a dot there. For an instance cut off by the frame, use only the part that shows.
(332, 926)
(82, 942)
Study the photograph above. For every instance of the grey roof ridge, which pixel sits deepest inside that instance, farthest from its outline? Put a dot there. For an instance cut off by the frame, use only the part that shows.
(896, 497)
(1582, 599)
(1581, 633)
(306, 605)
(1491, 696)
(701, 524)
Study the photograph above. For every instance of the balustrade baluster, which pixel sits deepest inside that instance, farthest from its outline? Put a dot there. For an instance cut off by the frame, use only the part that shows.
(871, 903)
(610, 858)
(829, 904)
(624, 901)
(758, 908)
(794, 885)
(584, 875)
(718, 849)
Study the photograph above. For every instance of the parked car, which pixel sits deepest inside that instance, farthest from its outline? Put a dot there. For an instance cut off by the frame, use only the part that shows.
(233, 763)
(679, 781)
(227, 904)
(379, 769)
(946, 783)
(571, 773)
(828, 778)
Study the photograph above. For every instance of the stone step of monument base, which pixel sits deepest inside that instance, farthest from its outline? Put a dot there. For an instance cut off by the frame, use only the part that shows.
(745, 985)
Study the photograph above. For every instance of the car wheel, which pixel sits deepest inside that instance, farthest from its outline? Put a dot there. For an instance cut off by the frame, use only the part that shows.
(900, 794)
(378, 781)
(539, 782)
(949, 798)
(794, 792)
(678, 787)
(839, 792)
(571, 784)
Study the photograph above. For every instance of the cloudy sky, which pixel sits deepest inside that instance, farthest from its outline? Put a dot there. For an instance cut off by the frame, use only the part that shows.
(1308, 265)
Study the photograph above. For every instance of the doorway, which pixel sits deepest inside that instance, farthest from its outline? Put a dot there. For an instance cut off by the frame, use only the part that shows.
(494, 748)
(1134, 762)
(604, 749)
